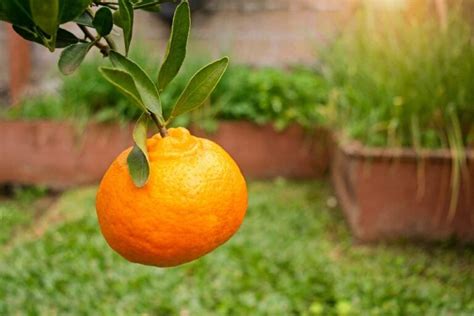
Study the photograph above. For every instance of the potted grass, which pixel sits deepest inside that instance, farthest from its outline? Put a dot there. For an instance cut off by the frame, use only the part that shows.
(403, 108)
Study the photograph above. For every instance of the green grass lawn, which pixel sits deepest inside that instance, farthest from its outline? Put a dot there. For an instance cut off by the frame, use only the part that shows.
(292, 256)
(12, 217)
(18, 211)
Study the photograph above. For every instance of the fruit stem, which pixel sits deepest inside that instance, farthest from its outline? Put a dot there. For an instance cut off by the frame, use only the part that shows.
(161, 127)
(163, 131)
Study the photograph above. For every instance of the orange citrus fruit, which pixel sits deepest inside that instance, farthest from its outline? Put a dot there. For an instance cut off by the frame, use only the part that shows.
(195, 200)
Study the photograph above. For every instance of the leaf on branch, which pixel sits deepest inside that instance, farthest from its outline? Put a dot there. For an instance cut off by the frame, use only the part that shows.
(63, 38)
(117, 18)
(124, 82)
(140, 133)
(70, 10)
(103, 21)
(138, 163)
(126, 19)
(200, 87)
(3, 14)
(17, 13)
(27, 34)
(45, 14)
(145, 86)
(84, 19)
(138, 167)
(72, 57)
(150, 5)
(41, 18)
(176, 50)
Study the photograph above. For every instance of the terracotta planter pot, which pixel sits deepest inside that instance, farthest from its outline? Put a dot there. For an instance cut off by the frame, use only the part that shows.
(262, 152)
(60, 155)
(393, 194)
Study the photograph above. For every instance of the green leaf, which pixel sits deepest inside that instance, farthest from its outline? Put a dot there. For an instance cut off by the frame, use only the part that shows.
(140, 133)
(17, 12)
(141, 3)
(138, 167)
(45, 14)
(145, 86)
(41, 18)
(200, 87)
(117, 18)
(126, 18)
(84, 19)
(149, 8)
(71, 9)
(64, 38)
(48, 15)
(3, 15)
(124, 82)
(176, 50)
(103, 21)
(28, 34)
(149, 5)
(72, 57)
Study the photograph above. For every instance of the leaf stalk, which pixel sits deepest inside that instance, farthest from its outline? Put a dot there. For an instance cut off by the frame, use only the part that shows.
(161, 126)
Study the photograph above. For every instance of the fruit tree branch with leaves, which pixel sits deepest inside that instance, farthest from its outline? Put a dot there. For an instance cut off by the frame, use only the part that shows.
(41, 21)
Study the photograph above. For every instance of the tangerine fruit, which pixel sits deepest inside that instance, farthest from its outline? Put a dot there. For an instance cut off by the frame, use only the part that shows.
(195, 200)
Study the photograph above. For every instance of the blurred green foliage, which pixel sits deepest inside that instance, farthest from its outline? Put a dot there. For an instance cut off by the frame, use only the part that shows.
(292, 256)
(265, 95)
(11, 217)
(84, 95)
(271, 95)
(403, 80)
(17, 210)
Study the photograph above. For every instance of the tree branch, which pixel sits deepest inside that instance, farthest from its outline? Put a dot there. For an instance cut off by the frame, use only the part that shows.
(104, 49)
(161, 128)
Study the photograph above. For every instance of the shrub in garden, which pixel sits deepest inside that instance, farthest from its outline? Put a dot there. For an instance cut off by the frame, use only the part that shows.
(271, 95)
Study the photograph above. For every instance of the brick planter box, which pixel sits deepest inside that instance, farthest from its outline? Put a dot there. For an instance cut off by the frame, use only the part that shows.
(392, 194)
(60, 154)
